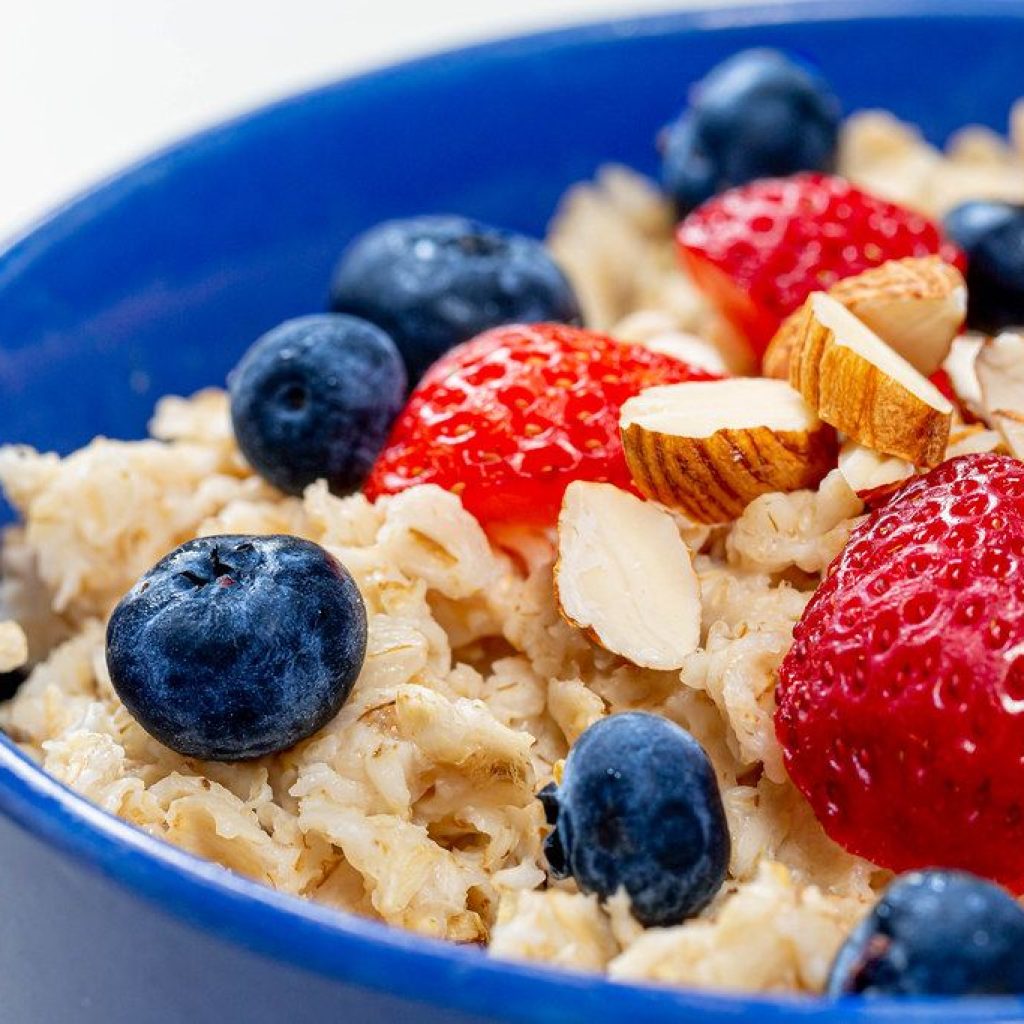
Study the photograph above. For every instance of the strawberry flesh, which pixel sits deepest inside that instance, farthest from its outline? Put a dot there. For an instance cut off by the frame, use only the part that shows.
(900, 707)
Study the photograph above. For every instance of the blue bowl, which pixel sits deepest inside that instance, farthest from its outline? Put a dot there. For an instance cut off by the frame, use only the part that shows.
(156, 281)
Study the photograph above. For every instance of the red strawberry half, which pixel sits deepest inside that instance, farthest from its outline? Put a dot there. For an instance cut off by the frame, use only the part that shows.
(509, 419)
(901, 702)
(759, 250)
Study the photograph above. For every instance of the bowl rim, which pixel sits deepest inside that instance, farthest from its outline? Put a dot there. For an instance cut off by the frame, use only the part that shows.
(328, 942)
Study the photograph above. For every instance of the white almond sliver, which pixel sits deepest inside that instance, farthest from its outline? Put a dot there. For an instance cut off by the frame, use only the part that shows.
(625, 576)
(974, 439)
(960, 368)
(867, 471)
(1000, 370)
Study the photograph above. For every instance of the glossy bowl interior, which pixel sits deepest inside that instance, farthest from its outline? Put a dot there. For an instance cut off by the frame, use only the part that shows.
(155, 283)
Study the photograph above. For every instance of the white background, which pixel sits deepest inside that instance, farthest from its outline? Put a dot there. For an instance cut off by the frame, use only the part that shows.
(87, 85)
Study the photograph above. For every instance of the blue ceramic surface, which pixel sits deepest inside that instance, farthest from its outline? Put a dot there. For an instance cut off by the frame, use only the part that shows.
(158, 280)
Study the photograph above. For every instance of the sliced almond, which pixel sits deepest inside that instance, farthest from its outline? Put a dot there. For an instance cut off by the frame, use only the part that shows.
(1000, 370)
(959, 367)
(709, 449)
(872, 475)
(625, 577)
(974, 439)
(916, 306)
(865, 389)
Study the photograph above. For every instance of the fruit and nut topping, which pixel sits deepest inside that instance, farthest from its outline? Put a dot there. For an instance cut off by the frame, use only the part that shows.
(917, 306)
(935, 933)
(638, 810)
(999, 366)
(710, 449)
(864, 388)
(625, 576)
(234, 647)
(646, 601)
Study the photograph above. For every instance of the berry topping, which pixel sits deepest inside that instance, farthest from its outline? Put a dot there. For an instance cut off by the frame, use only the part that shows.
(935, 933)
(508, 420)
(757, 115)
(992, 236)
(901, 702)
(234, 647)
(434, 282)
(758, 251)
(314, 399)
(639, 808)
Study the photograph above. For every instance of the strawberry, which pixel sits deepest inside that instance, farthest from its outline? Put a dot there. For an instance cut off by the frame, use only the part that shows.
(509, 419)
(900, 707)
(759, 250)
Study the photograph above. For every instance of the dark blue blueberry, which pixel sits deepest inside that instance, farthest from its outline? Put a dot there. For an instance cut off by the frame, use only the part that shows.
(935, 933)
(234, 647)
(639, 807)
(314, 399)
(757, 115)
(434, 282)
(992, 236)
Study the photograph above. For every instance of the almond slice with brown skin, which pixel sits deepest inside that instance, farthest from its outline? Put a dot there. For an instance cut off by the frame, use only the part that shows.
(869, 392)
(708, 449)
(1000, 370)
(916, 306)
(625, 576)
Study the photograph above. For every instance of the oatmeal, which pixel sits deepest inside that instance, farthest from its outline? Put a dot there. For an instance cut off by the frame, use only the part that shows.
(473, 688)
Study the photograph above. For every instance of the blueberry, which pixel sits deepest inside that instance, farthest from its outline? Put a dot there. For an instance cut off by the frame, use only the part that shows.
(233, 647)
(757, 115)
(935, 933)
(314, 399)
(992, 236)
(639, 807)
(433, 282)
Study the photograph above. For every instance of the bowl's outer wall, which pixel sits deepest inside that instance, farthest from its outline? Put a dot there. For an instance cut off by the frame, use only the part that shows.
(157, 282)
(80, 949)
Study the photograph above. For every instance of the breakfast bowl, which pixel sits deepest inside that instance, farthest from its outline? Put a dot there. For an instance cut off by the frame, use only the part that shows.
(155, 283)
